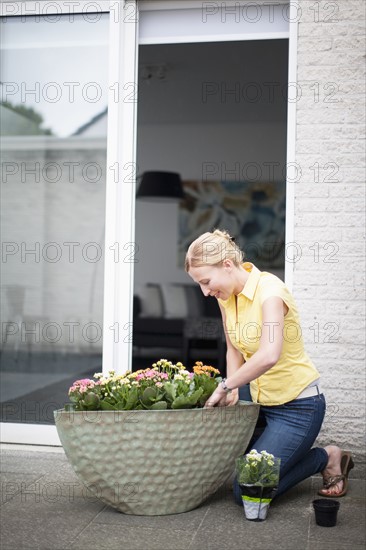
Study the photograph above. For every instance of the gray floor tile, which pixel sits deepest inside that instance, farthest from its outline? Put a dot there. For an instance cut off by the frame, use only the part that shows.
(231, 527)
(341, 545)
(44, 521)
(31, 462)
(350, 519)
(138, 537)
(65, 482)
(240, 533)
(12, 484)
(46, 507)
(189, 520)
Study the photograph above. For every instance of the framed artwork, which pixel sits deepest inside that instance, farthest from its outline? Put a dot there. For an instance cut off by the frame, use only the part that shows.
(252, 212)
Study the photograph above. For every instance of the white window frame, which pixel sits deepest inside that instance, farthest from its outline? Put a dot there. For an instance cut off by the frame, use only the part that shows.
(121, 153)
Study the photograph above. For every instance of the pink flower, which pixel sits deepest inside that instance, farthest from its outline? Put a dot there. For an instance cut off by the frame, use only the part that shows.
(85, 381)
(82, 385)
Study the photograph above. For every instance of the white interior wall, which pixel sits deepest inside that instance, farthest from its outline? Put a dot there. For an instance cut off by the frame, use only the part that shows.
(184, 149)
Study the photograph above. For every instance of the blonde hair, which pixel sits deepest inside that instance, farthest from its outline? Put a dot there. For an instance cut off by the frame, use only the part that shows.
(212, 249)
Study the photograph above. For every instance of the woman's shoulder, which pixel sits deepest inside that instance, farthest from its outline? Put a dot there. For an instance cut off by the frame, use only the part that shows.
(268, 279)
(271, 285)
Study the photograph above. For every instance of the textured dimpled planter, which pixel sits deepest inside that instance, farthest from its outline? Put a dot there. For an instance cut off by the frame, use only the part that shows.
(155, 462)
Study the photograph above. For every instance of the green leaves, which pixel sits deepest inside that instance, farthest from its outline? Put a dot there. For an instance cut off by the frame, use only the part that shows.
(91, 401)
(187, 401)
(207, 385)
(132, 399)
(106, 406)
(159, 406)
(258, 469)
(151, 399)
(170, 391)
(148, 396)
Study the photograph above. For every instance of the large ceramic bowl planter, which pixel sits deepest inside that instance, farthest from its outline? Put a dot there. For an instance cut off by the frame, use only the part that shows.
(156, 462)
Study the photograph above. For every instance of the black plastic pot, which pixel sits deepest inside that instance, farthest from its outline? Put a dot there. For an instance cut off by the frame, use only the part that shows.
(326, 512)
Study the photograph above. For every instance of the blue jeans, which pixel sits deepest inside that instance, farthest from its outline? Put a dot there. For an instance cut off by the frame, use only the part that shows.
(288, 432)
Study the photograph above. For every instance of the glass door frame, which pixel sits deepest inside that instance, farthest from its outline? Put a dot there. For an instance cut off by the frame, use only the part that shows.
(120, 246)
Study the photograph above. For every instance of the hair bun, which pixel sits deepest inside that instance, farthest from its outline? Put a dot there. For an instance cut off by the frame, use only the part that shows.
(212, 249)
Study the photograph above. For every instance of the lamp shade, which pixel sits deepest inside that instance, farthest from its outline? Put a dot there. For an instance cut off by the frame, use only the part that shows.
(160, 187)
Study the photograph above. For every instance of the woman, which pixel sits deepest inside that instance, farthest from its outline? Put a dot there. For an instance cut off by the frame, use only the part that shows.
(265, 348)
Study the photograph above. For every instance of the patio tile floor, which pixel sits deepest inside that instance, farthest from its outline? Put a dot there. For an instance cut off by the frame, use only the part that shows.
(45, 507)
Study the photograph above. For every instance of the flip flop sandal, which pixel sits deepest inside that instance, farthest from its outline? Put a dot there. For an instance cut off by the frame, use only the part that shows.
(346, 466)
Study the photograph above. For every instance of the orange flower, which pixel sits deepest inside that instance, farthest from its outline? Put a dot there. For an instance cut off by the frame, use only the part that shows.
(200, 368)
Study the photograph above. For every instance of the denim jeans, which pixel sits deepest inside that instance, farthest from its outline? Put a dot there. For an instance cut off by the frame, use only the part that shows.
(288, 431)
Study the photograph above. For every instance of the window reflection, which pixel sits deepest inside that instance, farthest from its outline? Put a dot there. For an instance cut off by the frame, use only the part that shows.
(53, 129)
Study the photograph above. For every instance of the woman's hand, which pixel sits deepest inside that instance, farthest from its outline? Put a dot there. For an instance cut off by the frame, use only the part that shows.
(221, 398)
(232, 398)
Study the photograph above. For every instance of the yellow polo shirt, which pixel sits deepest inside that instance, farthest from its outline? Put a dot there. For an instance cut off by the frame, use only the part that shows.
(294, 370)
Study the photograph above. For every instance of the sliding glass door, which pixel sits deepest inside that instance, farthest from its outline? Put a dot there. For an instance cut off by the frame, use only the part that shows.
(68, 136)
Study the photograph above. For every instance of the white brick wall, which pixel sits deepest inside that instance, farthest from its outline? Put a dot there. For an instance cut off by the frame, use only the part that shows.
(330, 129)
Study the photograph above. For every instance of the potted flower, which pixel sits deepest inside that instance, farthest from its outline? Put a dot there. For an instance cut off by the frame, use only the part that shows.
(258, 476)
(143, 442)
(164, 386)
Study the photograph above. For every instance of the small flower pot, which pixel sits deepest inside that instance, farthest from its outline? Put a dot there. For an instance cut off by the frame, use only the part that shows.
(256, 501)
(326, 512)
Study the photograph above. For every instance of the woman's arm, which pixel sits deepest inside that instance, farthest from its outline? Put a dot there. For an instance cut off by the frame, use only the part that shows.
(234, 360)
(269, 351)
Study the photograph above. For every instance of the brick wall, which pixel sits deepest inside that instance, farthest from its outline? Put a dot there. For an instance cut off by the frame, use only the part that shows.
(329, 275)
